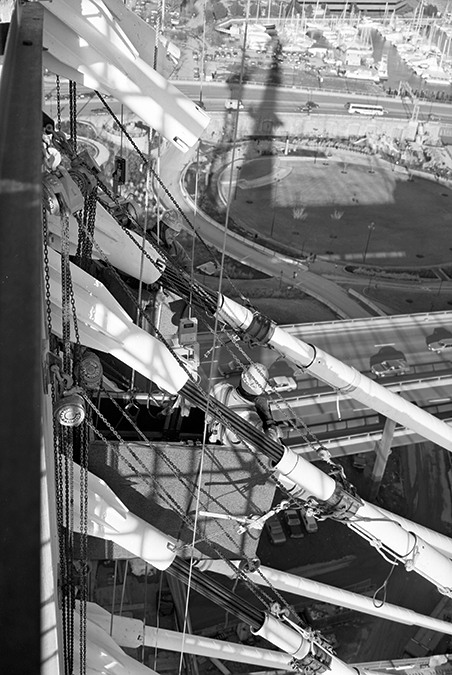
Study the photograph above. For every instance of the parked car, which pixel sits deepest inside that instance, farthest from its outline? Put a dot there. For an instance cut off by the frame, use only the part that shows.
(275, 531)
(293, 524)
(309, 522)
(281, 383)
(441, 345)
(390, 367)
(359, 462)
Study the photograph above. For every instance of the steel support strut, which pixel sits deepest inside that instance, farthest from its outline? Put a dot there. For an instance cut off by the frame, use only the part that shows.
(340, 376)
(21, 335)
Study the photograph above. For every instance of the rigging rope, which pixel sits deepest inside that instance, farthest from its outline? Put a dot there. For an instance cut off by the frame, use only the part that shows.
(181, 511)
(182, 214)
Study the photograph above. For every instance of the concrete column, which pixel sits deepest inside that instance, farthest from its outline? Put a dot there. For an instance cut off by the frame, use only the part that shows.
(382, 450)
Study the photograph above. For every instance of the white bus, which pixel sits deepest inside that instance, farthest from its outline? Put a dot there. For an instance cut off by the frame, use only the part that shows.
(365, 109)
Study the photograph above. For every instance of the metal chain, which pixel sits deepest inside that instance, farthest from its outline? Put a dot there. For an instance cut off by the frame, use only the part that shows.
(175, 204)
(65, 290)
(190, 486)
(265, 599)
(145, 315)
(67, 457)
(84, 571)
(73, 113)
(48, 302)
(86, 221)
(169, 262)
(58, 88)
(161, 337)
(62, 496)
(180, 475)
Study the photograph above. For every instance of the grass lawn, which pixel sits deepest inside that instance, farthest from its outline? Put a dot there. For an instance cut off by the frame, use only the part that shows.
(325, 206)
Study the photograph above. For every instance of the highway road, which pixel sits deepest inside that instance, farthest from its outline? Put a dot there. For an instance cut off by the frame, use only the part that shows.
(268, 99)
(355, 342)
(286, 100)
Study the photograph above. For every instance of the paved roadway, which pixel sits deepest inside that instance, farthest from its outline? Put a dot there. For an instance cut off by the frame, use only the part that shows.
(282, 99)
(354, 342)
(288, 99)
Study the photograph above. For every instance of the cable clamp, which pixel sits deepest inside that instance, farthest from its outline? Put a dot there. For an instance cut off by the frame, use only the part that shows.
(249, 565)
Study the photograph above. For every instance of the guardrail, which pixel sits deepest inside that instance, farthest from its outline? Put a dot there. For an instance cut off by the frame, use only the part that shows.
(383, 321)
(339, 434)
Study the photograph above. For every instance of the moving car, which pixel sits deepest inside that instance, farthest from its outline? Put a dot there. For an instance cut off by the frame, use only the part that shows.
(441, 345)
(309, 522)
(233, 104)
(293, 524)
(390, 368)
(275, 531)
(308, 106)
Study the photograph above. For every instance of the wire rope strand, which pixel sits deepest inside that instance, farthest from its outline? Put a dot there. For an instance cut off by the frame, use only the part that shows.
(113, 598)
(123, 590)
(142, 257)
(195, 528)
(256, 590)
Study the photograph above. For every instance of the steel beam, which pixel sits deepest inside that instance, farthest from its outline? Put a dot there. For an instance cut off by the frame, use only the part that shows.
(21, 339)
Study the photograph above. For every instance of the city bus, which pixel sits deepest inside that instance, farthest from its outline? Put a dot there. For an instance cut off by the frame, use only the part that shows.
(365, 109)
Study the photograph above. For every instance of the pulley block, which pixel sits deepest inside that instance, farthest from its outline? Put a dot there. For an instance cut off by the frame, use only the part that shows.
(90, 371)
(70, 411)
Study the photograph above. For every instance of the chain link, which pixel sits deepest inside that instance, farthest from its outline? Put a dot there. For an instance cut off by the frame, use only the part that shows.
(84, 571)
(48, 301)
(86, 242)
(86, 221)
(58, 88)
(256, 590)
(167, 192)
(73, 113)
(66, 287)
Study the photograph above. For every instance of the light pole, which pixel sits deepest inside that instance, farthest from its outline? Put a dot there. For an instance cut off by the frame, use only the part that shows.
(371, 228)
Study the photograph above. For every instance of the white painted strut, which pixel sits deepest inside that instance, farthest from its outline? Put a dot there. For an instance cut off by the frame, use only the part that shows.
(110, 519)
(103, 655)
(290, 583)
(104, 325)
(292, 642)
(115, 245)
(132, 634)
(109, 48)
(442, 543)
(308, 481)
(343, 378)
